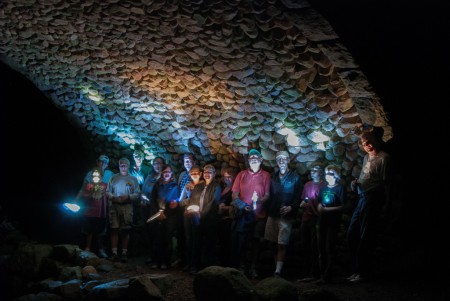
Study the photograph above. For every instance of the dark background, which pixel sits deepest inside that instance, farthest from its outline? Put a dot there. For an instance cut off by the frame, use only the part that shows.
(400, 47)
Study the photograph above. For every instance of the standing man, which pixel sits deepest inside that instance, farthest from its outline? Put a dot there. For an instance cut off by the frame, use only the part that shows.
(146, 199)
(285, 190)
(373, 188)
(330, 205)
(251, 190)
(123, 190)
(183, 179)
(140, 170)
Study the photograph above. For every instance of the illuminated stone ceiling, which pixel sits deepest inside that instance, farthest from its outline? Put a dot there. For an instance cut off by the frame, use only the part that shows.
(210, 77)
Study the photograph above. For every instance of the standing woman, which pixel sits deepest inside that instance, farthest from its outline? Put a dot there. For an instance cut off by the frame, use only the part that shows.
(202, 243)
(225, 215)
(95, 208)
(165, 199)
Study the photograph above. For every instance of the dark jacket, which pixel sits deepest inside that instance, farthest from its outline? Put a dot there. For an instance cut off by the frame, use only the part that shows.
(284, 192)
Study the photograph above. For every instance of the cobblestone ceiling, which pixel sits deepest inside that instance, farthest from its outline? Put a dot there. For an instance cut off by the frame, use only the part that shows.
(215, 78)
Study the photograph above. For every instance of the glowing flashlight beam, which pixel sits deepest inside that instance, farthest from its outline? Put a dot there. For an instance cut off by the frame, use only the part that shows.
(71, 207)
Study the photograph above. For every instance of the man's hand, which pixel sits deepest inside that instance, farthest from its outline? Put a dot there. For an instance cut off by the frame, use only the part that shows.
(285, 210)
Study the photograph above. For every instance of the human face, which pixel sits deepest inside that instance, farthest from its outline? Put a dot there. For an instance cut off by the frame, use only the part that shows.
(167, 174)
(282, 163)
(329, 177)
(102, 164)
(316, 175)
(188, 162)
(123, 167)
(157, 165)
(208, 175)
(255, 162)
(137, 156)
(367, 146)
(228, 179)
(195, 174)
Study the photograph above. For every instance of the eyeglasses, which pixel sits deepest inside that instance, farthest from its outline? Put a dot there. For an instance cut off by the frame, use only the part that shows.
(256, 157)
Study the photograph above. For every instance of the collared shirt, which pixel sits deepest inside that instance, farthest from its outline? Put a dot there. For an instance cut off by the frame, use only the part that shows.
(248, 182)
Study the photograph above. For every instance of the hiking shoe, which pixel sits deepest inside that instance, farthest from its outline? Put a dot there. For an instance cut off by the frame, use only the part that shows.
(175, 263)
(307, 279)
(185, 268)
(254, 274)
(356, 279)
(102, 254)
(321, 281)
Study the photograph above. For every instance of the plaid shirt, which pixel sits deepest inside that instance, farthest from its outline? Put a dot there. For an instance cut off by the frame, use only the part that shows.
(186, 179)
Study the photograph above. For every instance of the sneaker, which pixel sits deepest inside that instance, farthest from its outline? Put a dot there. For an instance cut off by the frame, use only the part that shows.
(307, 279)
(154, 266)
(175, 263)
(193, 271)
(254, 274)
(277, 275)
(351, 277)
(148, 261)
(357, 278)
(114, 258)
(102, 254)
(163, 267)
(123, 258)
(185, 268)
(321, 281)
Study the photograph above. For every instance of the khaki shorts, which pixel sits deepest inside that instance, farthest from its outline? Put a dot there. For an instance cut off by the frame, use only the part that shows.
(278, 230)
(121, 216)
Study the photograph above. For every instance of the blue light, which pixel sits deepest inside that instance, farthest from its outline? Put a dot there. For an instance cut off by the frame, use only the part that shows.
(72, 207)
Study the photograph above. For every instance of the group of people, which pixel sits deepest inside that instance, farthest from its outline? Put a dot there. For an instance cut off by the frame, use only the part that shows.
(200, 219)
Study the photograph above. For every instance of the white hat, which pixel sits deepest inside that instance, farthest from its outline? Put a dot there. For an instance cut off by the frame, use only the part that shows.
(282, 154)
(103, 158)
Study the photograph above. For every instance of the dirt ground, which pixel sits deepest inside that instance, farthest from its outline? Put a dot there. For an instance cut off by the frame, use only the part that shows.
(387, 286)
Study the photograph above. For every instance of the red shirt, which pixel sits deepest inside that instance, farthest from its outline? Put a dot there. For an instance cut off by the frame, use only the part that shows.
(247, 182)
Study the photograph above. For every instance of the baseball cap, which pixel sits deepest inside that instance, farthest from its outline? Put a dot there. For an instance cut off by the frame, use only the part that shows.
(282, 154)
(254, 152)
(103, 158)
